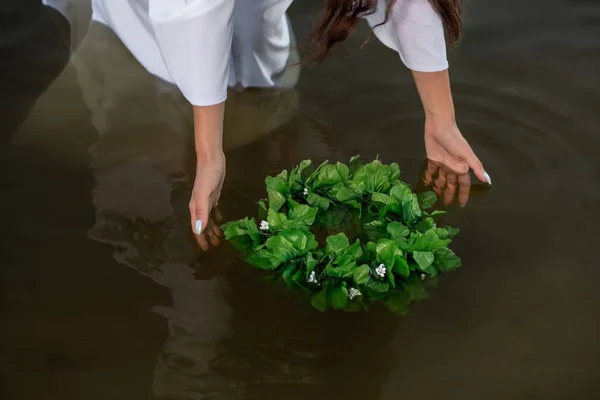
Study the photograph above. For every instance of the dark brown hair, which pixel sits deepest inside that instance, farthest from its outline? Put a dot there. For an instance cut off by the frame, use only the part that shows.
(339, 18)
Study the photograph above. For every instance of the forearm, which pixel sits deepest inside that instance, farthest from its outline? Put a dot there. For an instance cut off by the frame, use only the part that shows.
(436, 95)
(208, 131)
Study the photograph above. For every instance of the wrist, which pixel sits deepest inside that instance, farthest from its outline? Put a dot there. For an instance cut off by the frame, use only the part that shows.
(209, 154)
(440, 118)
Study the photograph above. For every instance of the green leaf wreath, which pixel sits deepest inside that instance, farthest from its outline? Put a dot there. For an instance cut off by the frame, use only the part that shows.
(377, 241)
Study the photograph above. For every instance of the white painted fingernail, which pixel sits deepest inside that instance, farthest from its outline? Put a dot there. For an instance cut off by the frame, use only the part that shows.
(198, 227)
(487, 178)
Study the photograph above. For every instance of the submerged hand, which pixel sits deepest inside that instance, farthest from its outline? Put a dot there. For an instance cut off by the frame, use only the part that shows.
(446, 183)
(445, 145)
(210, 174)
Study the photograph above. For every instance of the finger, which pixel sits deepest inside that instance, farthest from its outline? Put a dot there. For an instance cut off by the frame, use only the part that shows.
(216, 230)
(477, 168)
(212, 238)
(201, 210)
(202, 241)
(451, 186)
(440, 181)
(193, 216)
(217, 214)
(464, 189)
(429, 173)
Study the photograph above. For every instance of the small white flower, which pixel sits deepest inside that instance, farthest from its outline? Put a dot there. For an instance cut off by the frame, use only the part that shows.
(423, 276)
(434, 225)
(352, 293)
(312, 278)
(264, 226)
(305, 191)
(381, 270)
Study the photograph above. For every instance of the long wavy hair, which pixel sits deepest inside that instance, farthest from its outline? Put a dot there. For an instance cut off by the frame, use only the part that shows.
(339, 18)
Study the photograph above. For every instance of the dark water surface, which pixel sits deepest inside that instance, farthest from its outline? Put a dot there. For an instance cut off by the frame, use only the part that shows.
(104, 295)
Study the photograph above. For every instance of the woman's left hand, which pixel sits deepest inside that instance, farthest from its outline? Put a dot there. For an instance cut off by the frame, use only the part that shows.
(445, 145)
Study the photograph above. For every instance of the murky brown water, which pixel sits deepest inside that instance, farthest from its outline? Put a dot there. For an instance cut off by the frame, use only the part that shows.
(106, 297)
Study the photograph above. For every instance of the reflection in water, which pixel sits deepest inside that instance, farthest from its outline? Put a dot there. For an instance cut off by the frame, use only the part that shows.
(141, 167)
(521, 311)
(34, 42)
(449, 186)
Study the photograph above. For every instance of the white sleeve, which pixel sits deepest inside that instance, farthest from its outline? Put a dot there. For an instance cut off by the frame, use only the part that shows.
(194, 38)
(415, 31)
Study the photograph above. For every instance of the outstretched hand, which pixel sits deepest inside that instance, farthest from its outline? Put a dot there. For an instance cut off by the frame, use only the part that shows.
(445, 145)
(204, 212)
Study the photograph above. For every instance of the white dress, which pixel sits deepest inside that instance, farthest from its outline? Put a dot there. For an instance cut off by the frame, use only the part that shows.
(204, 46)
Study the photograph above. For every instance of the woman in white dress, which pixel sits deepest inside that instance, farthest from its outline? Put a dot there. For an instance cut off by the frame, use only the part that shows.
(204, 46)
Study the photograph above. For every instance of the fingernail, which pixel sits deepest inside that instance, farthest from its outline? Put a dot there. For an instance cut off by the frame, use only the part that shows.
(198, 227)
(487, 178)
(463, 205)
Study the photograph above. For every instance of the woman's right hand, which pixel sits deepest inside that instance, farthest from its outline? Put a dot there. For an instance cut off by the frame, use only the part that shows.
(210, 174)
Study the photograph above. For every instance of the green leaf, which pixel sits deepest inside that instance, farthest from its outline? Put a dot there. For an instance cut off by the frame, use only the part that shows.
(446, 260)
(427, 199)
(410, 204)
(400, 266)
(332, 218)
(355, 250)
(424, 225)
(284, 176)
(304, 171)
(276, 199)
(279, 183)
(312, 178)
(242, 234)
(375, 230)
(277, 221)
(398, 302)
(328, 176)
(301, 240)
(345, 194)
(428, 241)
(354, 164)
(390, 275)
(382, 198)
(302, 213)
(281, 248)
(424, 259)
(386, 249)
(337, 243)
(411, 210)
(263, 209)
(319, 300)
(311, 263)
(341, 272)
(343, 171)
(288, 274)
(452, 231)
(394, 172)
(339, 297)
(378, 286)
(398, 231)
(314, 200)
(263, 259)
(442, 233)
(361, 274)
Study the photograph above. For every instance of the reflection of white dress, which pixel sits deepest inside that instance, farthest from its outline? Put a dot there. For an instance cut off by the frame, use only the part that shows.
(205, 45)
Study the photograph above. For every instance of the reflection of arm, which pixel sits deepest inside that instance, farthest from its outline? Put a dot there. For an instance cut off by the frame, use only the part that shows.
(415, 31)
(194, 38)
